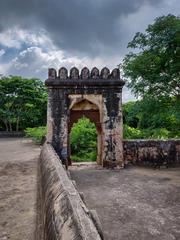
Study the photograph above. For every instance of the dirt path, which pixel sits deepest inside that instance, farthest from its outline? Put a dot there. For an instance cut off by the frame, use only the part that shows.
(18, 188)
(133, 204)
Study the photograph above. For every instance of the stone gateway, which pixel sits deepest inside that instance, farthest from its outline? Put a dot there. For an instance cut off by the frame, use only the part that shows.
(96, 95)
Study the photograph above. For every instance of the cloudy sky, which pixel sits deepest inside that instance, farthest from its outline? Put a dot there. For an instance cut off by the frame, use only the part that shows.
(38, 34)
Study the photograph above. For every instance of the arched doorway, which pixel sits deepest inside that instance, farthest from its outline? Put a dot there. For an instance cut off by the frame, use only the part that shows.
(94, 94)
(82, 107)
(83, 141)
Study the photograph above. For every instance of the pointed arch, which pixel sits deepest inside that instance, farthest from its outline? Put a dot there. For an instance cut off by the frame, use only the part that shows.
(85, 106)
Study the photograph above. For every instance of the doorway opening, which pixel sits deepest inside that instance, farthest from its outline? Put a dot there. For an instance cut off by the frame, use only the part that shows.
(84, 118)
(83, 141)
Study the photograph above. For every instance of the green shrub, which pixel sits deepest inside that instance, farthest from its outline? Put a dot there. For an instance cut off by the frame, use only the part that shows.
(155, 118)
(36, 133)
(132, 133)
(160, 133)
(149, 133)
(83, 140)
(86, 157)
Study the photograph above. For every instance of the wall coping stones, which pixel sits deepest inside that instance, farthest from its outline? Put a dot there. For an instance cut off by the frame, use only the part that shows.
(5, 134)
(65, 216)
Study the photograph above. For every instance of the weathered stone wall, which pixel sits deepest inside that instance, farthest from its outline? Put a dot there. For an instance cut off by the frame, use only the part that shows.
(152, 152)
(5, 134)
(102, 89)
(63, 213)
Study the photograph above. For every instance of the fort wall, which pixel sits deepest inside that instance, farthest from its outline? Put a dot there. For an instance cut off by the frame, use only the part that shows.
(63, 213)
(152, 152)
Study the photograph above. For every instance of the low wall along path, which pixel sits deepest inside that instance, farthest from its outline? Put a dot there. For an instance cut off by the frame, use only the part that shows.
(155, 153)
(64, 214)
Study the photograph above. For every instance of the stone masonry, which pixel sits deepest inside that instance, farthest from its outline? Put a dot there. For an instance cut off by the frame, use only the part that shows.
(96, 95)
(63, 215)
(151, 152)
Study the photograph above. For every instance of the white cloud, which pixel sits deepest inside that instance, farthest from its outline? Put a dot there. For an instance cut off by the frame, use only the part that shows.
(35, 61)
(127, 95)
(2, 52)
(15, 38)
(103, 34)
(4, 68)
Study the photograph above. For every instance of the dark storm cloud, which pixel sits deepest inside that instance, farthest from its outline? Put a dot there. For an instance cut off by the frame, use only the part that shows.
(73, 25)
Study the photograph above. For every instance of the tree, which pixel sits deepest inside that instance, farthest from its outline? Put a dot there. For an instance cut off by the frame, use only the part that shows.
(83, 140)
(22, 102)
(155, 69)
(131, 113)
(152, 118)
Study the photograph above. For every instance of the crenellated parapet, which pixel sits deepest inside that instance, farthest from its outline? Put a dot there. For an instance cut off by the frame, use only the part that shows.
(84, 74)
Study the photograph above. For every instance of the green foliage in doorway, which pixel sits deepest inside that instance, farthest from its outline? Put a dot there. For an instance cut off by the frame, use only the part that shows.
(83, 140)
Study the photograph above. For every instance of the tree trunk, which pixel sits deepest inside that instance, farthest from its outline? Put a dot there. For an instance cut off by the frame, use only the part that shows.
(10, 127)
(6, 124)
(17, 125)
(7, 129)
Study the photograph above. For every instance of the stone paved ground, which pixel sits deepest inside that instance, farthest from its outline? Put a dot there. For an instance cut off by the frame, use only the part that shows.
(134, 203)
(18, 188)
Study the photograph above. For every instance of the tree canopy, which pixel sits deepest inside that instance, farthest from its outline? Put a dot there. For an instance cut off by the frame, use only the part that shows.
(152, 118)
(153, 69)
(23, 103)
